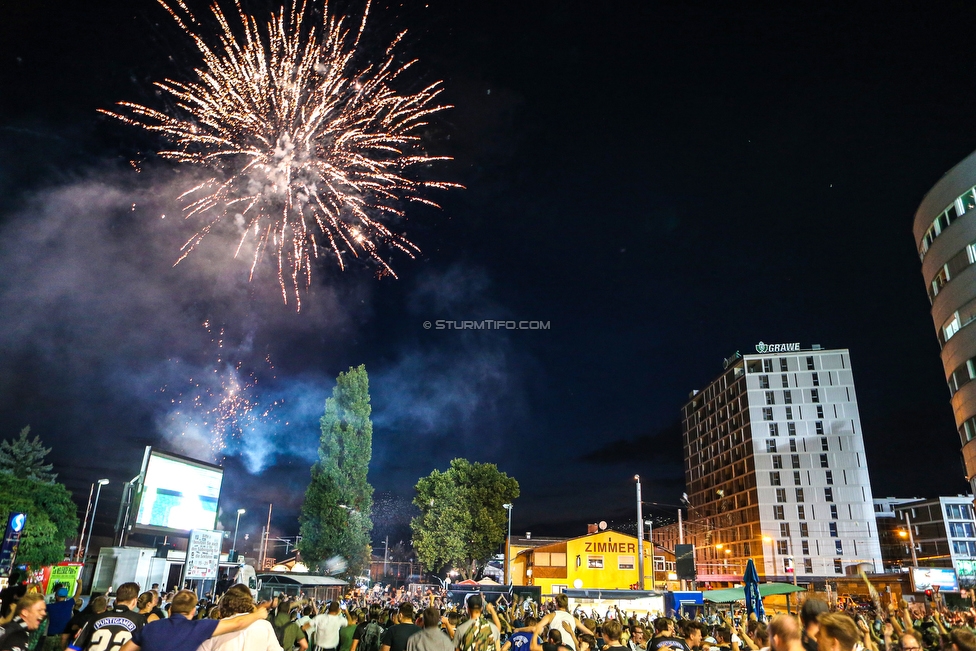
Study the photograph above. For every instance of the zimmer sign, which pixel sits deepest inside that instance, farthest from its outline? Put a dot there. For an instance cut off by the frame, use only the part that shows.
(777, 348)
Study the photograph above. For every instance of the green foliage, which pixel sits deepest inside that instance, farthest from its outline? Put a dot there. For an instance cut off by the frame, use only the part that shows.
(462, 521)
(24, 458)
(339, 478)
(51, 518)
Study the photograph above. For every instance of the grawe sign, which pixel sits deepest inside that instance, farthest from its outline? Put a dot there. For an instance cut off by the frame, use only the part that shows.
(777, 348)
(203, 554)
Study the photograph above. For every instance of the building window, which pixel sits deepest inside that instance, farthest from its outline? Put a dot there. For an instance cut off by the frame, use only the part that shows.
(838, 567)
(788, 397)
(833, 510)
(791, 428)
(799, 494)
(824, 444)
(780, 494)
(774, 479)
(815, 395)
(801, 513)
(594, 562)
(828, 494)
(810, 366)
(792, 444)
(795, 458)
(763, 381)
(823, 461)
(770, 445)
(774, 429)
(819, 411)
(777, 461)
(784, 529)
(767, 413)
(833, 529)
(807, 564)
(782, 547)
(839, 546)
(818, 426)
(959, 511)
(625, 562)
(789, 413)
(778, 512)
(783, 365)
(770, 398)
(785, 379)
(816, 379)
(804, 532)
(961, 529)
(964, 547)
(796, 478)
(767, 365)
(830, 478)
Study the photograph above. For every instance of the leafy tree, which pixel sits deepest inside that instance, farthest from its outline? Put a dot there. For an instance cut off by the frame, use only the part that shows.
(51, 517)
(24, 458)
(462, 521)
(336, 514)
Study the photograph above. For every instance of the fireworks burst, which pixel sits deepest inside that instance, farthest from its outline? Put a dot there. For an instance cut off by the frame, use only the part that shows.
(309, 151)
(219, 402)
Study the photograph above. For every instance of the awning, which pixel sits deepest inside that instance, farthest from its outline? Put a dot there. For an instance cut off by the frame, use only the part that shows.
(729, 595)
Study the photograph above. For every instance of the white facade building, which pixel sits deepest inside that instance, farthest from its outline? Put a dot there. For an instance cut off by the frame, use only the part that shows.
(944, 531)
(776, 470)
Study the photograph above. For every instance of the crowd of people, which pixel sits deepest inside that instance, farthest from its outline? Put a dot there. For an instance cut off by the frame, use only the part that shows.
(430, 621)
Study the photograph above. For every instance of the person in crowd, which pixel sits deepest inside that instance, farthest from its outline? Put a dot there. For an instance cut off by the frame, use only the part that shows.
(430, 638)
(118, 623)
(395, 638)
(611, 633)
(326, 628)
(347, 632)
(259, 636)
(29, 611)
(96, 606)
(664, 638)
(811, 610)
(521, 637)
(59, 613)
(962, 639)
(837, 632)
(146, 605)
(561, 615)
(180, 632)
(693, 632)
(369, 634)
(290, 635)
(784, 634)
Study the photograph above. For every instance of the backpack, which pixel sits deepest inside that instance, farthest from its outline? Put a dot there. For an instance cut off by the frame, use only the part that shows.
(371, 637)
(478, 637)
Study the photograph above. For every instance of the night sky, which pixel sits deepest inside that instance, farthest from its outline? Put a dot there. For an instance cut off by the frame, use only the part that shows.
(663, 182)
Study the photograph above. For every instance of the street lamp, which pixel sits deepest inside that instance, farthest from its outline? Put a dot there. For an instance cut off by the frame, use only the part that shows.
(640, 538)
(772, 546)
(240, 512)
(508, 546)
(101, 482)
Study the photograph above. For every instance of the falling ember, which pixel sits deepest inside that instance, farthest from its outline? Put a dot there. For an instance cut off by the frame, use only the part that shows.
(310, 151)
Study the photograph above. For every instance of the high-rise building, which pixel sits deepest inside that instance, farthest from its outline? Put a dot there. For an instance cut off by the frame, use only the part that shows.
(944, 534)
(945, 233)
(775, 468)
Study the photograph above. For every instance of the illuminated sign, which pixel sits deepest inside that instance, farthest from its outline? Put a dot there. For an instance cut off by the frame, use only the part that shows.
(777, 348)
(943, 578)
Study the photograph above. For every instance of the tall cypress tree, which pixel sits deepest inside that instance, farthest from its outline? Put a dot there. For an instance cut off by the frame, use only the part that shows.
(336, 515)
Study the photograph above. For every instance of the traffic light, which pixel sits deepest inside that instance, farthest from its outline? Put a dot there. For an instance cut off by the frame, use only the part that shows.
(928, 594)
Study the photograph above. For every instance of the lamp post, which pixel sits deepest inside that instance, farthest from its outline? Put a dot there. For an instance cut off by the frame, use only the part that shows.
(772, 547)
(508, 546)
(101, 482)
(911, 537)
(240, 512)
(640, 537)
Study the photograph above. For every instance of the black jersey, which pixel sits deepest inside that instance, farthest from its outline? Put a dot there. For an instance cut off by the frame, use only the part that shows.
(110, 630)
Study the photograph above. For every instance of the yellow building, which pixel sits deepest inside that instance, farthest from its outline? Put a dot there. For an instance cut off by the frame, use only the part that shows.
(605, 560)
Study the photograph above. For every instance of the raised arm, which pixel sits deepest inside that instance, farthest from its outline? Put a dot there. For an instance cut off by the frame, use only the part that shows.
(238, 623)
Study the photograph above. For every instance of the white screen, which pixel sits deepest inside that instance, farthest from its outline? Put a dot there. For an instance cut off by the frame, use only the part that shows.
(179, 495)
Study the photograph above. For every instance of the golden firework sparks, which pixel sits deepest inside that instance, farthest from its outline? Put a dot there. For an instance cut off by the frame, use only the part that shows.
(310, 151)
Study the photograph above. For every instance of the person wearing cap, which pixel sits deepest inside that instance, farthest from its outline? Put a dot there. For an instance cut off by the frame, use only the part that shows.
(809, 612)
(59, 613)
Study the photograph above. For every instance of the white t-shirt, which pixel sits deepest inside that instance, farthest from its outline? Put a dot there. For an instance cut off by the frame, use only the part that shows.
(259, 636)
(326, 629)
(558, 618)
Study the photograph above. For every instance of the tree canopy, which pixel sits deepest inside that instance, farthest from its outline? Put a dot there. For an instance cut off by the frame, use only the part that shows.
(462, 519)
(336, 514)
(24, 458)
(52, 518)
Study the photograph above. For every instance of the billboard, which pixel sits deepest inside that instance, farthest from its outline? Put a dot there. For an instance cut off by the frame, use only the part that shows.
(925, 578)
(11, 541)
(178, 494)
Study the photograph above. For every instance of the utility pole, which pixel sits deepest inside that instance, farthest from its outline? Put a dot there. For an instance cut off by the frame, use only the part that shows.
(640, 538)
(911, 537)
(386, 553)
